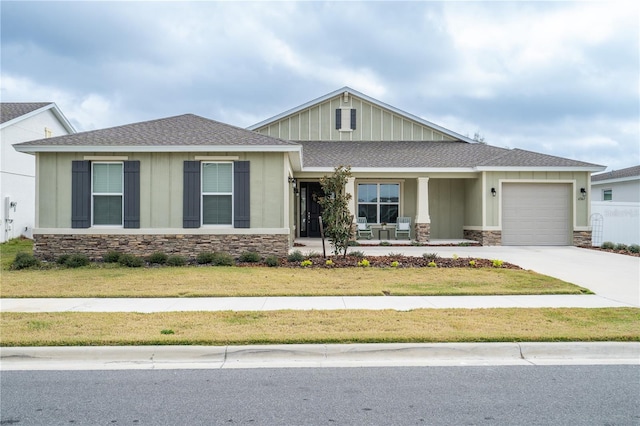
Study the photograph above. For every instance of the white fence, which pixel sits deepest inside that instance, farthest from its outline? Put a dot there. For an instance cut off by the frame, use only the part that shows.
(615, 222)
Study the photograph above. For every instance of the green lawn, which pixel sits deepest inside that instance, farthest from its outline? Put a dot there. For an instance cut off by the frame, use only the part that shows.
(357, 326)
(108, 280)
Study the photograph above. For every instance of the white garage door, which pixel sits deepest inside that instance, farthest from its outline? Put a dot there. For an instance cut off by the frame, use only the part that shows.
(536, 214)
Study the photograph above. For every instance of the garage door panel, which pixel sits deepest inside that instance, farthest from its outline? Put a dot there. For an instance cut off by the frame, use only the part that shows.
(536, 214)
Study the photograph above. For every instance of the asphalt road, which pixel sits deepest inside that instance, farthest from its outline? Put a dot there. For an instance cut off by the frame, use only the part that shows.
(529, 395)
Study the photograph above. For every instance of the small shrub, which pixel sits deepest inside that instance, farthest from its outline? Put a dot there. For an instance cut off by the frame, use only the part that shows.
(496, 263)
(432, 264)
(76, 261)
(306, 263)
(223, 258)
(329, 262)
(622, 247)
(271, 261)
(24, 260)
(430, 256)
(385, 243)
(130, 261)
(158, 258)
(472, 263)
(176, 260)
(357, 253)
(416, 243)
(395, 264)
(111, 257)
(364, 263)
(250, 257)
(295, 256)
(608, 245)
(634, 248)
(455, 256)
(204, 258)
(167, 331)
(353, 243)
(62, 259)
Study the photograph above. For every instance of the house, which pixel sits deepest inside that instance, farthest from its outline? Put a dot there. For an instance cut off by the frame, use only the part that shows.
(187, 184)
(615, 206)
(20, 122)
(617, 185)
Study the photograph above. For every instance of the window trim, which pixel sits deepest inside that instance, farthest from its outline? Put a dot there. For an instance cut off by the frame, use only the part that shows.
(110, 194)
(203, 194)
(610, 193)
(379, 203)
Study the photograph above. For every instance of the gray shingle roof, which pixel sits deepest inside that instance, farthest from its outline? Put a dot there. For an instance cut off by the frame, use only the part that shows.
(181, 130)
(12, 110)
(424, 155)
(617, 174)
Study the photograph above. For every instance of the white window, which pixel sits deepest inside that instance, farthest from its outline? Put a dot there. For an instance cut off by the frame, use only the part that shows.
(379, 202)
(217, 193)
(107, 193)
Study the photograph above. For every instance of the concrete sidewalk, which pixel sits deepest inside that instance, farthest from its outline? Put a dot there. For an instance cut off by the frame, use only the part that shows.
(399, 303)
(337, 355)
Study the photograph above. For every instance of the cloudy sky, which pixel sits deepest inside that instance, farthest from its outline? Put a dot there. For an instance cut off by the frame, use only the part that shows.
(560, 78)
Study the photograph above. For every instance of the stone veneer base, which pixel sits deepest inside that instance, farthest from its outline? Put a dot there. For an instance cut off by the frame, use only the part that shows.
(94, 246)
(422, 232)
(582, 238)
(486, 238)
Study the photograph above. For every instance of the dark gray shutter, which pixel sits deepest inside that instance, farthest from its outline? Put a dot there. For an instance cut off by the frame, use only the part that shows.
(353, 118)
(241, 195)
(80, 194)
(132, 194)
(191, 195)
(338, 119)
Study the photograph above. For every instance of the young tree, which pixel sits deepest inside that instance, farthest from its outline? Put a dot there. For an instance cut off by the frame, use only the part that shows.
(336, 217)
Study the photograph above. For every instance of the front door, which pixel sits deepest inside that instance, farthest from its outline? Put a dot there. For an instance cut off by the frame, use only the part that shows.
(310, 209)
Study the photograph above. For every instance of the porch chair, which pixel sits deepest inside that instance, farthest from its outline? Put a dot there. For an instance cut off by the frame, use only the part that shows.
(364, 229)
(403, 226)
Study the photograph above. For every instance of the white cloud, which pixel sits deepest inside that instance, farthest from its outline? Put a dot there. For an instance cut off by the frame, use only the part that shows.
(85, 111)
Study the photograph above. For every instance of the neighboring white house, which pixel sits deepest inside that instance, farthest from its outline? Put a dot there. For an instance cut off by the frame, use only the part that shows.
(615, 206)
(22, 122)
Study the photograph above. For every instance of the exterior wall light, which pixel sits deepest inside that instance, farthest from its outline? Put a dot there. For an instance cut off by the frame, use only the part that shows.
(493, 192)
(294, 184)
(583, 193)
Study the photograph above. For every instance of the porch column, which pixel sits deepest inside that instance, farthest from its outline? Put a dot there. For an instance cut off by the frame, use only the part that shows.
(350, 188)
(423, 220)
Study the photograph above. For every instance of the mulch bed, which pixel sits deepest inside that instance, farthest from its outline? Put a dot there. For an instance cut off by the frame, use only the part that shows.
(385, 262)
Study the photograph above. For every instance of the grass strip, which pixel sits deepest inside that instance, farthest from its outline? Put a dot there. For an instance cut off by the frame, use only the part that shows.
(263, 281)
(287, 327)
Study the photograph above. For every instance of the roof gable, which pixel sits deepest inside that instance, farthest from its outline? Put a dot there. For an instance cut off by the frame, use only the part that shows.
(179, 133)
(14, 112)
(374, 121)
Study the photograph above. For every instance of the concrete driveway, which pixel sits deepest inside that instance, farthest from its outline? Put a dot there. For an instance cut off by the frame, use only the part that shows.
(613, 276)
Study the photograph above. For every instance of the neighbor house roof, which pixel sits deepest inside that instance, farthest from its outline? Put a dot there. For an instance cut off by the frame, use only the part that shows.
(368, 99)
(186, 132)
(13, 112)
(630, 173)
(324, 155)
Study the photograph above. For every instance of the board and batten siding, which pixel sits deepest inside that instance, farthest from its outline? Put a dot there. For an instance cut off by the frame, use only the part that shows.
(161, 188)
(493, 180)
(373, 123)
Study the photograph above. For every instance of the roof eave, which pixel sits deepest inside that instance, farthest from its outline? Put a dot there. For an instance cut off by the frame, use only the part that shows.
(168, 148)
(55, 110)
(614, 180)
(585, 168)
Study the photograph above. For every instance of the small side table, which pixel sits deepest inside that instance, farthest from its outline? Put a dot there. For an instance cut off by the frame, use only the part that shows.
(381, 231)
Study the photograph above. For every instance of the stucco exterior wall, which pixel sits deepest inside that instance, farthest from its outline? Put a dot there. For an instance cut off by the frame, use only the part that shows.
(622, 192)
(17, 172)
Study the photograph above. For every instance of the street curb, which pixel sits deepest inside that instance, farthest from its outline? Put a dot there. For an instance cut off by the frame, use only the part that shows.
(335, 355)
